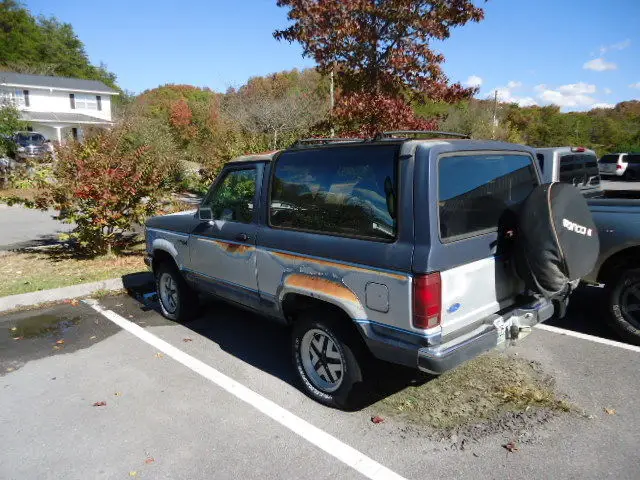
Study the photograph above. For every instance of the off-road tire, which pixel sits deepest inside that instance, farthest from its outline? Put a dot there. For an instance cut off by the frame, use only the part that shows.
(186, 299)
(345, 343)
(620, 290)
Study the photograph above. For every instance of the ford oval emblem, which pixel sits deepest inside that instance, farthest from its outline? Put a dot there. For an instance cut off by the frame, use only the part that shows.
(453, 308)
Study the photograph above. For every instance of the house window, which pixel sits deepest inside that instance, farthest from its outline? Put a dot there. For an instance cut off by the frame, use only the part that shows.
(86, 102)
(25, 94)
(72, 101)
(12, 96)
(99, 102)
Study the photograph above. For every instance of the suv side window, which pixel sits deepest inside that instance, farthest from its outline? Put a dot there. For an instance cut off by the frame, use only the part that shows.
(232, 199)
(477, 192)
(540, 158)
(346, 191)
(633, 159)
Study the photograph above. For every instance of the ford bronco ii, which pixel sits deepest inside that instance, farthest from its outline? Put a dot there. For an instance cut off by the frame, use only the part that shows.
(388, 247)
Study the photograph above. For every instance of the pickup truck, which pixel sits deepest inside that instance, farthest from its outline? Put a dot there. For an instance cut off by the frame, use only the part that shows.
(618, 266)
(363, 248)
(575, 165)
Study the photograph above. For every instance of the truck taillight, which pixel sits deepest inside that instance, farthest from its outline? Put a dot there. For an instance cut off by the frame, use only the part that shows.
(427, 300)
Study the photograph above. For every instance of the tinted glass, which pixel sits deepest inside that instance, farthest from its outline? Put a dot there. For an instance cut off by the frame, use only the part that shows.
(633, 159)
(232, 199)
(477, 191)
(25, 139)
(540, 158)
(341, 190)
(579, 170)
(610, 159)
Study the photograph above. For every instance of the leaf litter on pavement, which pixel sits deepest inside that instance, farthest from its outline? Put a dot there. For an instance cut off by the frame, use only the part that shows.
(493, 393)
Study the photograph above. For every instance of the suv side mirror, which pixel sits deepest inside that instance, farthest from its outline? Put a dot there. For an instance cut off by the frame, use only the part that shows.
(205, 214)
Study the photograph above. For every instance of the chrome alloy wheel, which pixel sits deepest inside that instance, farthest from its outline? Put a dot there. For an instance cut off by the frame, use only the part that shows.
(322, 360)
(168, 292)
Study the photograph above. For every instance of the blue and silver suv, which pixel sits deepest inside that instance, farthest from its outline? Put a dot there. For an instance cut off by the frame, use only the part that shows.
(392, 248)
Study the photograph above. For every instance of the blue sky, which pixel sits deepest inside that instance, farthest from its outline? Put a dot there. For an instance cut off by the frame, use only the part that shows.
(574, 54)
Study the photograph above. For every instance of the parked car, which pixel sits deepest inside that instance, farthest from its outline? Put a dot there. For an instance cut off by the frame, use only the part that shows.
(30, 146)
(575, 165)
(618, 266)
(625, 165)
(376, 247)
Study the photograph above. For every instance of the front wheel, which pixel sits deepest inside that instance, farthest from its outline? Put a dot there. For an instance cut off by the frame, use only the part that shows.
(178, 302)
(624, 305)
(328, 358)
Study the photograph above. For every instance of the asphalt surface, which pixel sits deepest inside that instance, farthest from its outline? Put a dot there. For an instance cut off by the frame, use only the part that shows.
(23, 227)
(164, 421)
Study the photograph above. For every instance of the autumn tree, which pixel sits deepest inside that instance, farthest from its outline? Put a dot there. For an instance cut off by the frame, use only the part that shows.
(380, 48)
(285, 103)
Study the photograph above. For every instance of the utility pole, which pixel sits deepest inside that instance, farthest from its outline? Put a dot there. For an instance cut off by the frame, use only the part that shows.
(495, 114)
(332, 100)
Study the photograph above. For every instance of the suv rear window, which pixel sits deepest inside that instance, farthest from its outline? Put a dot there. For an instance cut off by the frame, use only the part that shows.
(610, 159)
(475, 191)
(579, 170)
(347, 191)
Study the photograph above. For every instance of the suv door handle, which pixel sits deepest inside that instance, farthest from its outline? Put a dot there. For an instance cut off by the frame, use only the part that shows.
(242, 237)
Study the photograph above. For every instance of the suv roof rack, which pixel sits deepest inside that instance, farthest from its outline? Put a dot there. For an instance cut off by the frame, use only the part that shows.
(406, 133)
(325, 141)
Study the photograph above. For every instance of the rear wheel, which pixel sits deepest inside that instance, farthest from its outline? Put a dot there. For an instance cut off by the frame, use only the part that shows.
(624, 305)
(329, 359)
(177, 300)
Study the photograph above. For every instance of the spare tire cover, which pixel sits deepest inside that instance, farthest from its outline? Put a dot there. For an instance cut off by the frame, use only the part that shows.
(557, 240)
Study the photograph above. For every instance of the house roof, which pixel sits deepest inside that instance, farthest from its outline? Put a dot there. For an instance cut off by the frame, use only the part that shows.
(58, 83)
(50, 117)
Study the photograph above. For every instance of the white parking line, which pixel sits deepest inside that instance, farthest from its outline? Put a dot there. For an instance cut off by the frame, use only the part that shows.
(591, 338)
(321, 439)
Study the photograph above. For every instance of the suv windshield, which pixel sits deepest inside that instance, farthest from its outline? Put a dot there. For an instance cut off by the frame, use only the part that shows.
(609, 159)
(25, 139)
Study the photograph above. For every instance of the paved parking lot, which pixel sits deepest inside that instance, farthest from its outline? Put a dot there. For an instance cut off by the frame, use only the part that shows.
(216, 398)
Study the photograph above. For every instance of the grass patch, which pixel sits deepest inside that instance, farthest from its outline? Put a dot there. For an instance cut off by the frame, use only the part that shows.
(30, 271)
(482, 389)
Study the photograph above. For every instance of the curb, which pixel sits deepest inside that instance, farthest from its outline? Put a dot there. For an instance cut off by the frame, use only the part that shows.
(73, 291)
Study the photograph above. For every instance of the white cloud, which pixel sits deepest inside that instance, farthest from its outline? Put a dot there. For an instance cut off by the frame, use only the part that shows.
(505, 95)
(577, 88)
(572, 95)
(635, 85)
(599, 65)
(608, 91)
(473, 81)
(616, 46)
(602, 105)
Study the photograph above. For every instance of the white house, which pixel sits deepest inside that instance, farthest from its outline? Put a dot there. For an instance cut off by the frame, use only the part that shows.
(58, 107)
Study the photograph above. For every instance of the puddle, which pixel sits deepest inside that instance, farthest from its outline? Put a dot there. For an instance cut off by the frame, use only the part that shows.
(42, 326)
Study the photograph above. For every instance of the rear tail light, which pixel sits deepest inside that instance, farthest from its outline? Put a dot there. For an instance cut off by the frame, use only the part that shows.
(427, 300)
(578, 149)
(618, 167)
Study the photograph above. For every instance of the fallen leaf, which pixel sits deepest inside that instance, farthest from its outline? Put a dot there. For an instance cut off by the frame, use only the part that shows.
(159, 355)
(187, 340)
(18, 338)
(58, 347)
(117, 394)
(610, 411)
(133, 473)
(92, 337)
(511, 446)
(100, 404)
(10, 369)
(13, 329)
(60, 342)
(130, 316)
(149, 460)
(377, 419)
(74, 302)
(119, 305)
